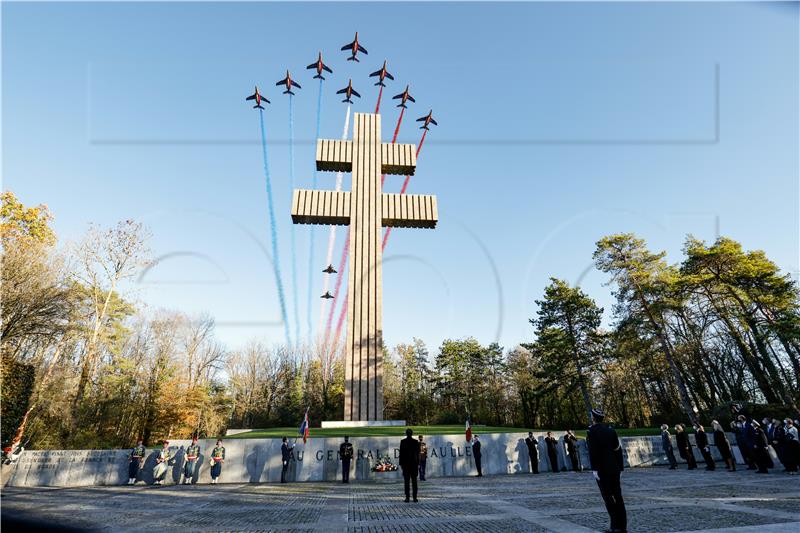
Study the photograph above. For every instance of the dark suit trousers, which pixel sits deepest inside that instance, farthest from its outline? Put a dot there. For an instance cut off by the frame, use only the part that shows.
(611, 491)
(478, 464)
(345, 470)
(534, 462)
(410, 477)
(710, 464)
(553, 460)
(284, 469)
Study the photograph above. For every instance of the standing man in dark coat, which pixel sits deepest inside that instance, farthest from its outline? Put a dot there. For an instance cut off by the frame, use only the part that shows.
(476, 453)
(571, 443)
(346, 455)
(761, 447)
(409, 462)
(423, 458)
(684, 446)
(746, 426)
(605, 456)
(552, 451)
(666, 444)
(533, 451)
(701, 439)
(286, 456)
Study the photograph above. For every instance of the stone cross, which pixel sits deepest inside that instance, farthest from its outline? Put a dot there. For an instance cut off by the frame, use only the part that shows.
(366, 209)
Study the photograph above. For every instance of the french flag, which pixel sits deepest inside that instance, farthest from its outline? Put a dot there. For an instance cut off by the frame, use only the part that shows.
(469, 430)
(304, 427)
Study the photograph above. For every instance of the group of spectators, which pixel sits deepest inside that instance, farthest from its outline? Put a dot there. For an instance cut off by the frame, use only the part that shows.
(754, 441)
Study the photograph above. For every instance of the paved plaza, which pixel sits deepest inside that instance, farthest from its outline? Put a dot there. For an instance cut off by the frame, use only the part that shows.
(657, 500)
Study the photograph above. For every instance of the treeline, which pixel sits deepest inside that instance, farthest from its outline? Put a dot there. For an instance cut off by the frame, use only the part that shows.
(85, 367)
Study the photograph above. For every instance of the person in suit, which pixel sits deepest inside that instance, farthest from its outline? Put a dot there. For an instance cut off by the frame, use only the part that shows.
(685, 447)
(423, 458)
(605, 457)
(552, 450)
(533, 451)
(571, 444)
(701, 439)
(346, 455)
(409, 462)
(724, 447)
(761, 448)
(476, 453)
(666, 444)
(286, 456)
(747, 448)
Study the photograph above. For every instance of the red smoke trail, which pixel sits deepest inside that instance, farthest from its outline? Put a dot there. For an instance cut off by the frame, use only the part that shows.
(378, 105)
(403, 189)
(394, 137)
(338, 286)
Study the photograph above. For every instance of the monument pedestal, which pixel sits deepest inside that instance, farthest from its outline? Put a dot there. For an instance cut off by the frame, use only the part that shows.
(362, 423)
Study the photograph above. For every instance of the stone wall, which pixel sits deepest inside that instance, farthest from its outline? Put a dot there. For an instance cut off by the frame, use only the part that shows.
(259, 460)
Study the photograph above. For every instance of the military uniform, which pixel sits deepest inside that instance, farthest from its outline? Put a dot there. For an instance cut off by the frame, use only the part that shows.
(605, 456)
(192, 453)
(137, 456)
(162, 462)
(346, 455)
(423, 459)
(217, 458)
(533, 452)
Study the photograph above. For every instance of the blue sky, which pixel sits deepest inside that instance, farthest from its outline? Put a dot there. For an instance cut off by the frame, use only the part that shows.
(559, 124)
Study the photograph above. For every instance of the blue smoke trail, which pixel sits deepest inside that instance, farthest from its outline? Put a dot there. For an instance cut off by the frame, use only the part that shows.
(294, 246)
(276, 264)
(311, 243)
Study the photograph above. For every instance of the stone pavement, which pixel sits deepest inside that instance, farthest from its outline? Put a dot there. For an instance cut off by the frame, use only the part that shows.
(657, 500)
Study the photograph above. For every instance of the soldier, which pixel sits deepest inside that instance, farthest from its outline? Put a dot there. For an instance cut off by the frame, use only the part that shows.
(701, 439)
(533, 451)
(423, 458)
(217, 458)
(476, 453)
(346, 455)
(409, 462)
(666, 444)
(286, 456)
(571, 443)
(552, 450)
(685, 447)
(192, 453)
(605, 456)
(162, 461)
(136, 458)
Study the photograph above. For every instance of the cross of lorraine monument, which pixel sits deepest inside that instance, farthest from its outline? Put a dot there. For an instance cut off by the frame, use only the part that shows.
(366, 209)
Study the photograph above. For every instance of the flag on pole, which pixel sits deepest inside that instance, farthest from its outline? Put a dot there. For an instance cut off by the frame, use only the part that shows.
(303, 431)
(469, 430)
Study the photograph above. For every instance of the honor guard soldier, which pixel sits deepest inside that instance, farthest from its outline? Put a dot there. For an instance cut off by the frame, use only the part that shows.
(346, 455)
(162, 462)
(286, 456)
(423, 458)
(533, 451)
(192, 453)
(136, 458)
(605, 456)
(217, 458)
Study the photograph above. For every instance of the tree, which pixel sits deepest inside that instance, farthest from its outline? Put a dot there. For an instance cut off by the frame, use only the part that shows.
(569, 318)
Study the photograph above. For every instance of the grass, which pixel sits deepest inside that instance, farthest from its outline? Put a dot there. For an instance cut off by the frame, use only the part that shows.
(398, 431)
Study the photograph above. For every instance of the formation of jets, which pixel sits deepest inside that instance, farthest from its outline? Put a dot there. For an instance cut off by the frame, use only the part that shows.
(404, 97)
(258, 98)
(289, 83)
(348, 92)
(354, 49)
(319, 66)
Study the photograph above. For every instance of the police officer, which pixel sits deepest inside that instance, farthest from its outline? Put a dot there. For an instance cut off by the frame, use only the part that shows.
(552, 450)
(192, 453)
(605, 456)
(423, 458)
(346, 455)
(533, 451)
(666, 444)
(217, 458)
(286, 455)
(136, 458)
(476, 453)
